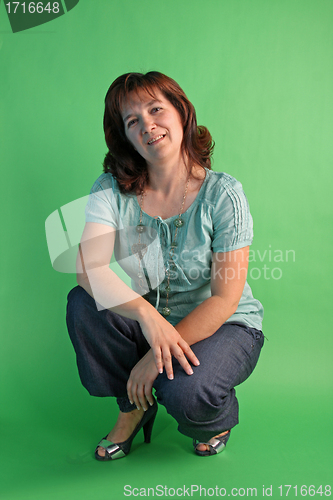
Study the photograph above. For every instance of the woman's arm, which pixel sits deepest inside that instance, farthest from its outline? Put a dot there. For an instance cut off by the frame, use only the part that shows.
(108, 290)
(228, 277)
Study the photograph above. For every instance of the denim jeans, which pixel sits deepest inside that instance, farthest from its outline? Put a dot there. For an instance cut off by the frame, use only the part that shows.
(204, 404)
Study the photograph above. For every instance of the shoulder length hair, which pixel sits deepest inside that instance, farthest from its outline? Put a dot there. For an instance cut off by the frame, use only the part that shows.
(122, 160)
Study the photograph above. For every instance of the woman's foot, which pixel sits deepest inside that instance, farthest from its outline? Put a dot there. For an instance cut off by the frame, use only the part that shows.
(205, 447)
(124, 427)
(215, 445)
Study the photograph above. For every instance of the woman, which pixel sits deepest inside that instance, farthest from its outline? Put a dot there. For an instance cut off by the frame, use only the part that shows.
(190, 327)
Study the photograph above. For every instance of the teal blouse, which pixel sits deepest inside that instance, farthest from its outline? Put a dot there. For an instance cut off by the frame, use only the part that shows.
(218, 220)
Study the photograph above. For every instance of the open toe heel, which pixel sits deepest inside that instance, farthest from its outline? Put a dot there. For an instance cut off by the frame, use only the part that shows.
(215, 446)
(119, 450)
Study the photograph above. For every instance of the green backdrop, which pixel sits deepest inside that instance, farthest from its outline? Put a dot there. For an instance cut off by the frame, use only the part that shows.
(259, 73)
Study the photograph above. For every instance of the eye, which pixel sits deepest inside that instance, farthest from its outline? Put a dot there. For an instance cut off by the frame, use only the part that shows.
(131, 122)
(154, 110)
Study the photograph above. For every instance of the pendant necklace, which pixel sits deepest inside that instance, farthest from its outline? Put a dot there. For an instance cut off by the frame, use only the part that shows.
(140, 248)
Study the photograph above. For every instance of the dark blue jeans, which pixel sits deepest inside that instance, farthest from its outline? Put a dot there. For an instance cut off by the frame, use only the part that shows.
(204, 404)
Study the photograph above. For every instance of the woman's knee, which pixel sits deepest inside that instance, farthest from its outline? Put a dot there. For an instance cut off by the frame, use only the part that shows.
(188, 397)
(79, 313)
(76, 294)
(78, 301)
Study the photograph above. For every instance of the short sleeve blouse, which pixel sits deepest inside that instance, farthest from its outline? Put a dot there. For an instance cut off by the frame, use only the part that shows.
(218, 220)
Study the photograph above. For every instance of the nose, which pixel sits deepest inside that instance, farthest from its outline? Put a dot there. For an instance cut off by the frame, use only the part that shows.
(148, 124)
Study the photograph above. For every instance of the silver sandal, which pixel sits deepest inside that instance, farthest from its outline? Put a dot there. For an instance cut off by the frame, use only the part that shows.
(215, 446)
(119, 450)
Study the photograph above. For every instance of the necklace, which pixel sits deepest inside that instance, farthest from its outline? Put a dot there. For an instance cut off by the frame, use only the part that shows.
(140, 248)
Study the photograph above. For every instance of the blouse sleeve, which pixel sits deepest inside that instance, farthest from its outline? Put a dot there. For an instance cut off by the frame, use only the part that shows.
(232, 221)
(102, 205)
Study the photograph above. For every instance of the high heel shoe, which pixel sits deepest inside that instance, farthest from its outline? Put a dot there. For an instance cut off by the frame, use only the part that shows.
(215, 446)
(119, 450)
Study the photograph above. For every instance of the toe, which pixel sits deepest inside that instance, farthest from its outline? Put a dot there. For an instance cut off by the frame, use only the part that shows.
(101, 451)
(202, 447)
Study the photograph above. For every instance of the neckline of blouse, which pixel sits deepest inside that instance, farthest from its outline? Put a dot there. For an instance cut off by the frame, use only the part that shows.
(196, 199)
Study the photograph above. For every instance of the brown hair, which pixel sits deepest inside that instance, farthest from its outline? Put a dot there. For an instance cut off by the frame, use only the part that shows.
(122, 160)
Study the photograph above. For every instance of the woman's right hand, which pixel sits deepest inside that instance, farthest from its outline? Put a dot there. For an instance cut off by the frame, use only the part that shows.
(141, 380)
(166, 342)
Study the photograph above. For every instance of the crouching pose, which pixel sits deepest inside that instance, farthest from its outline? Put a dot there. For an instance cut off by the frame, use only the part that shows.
(188, 326)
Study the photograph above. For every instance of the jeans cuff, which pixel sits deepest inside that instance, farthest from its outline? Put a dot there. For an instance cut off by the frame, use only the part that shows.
(124, 405)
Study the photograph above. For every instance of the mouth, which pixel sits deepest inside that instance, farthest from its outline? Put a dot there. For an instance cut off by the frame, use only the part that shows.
(156, 139)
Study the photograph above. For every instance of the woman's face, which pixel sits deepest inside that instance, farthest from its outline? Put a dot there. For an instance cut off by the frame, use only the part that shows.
(153, 126)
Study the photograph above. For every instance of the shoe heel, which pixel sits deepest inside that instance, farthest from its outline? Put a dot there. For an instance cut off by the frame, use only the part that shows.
(148, 427)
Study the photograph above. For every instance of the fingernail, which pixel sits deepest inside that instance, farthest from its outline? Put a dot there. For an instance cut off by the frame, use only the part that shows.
(138, 407)
(160, 370)
(190, 372)
(151, 404)
(170, 377)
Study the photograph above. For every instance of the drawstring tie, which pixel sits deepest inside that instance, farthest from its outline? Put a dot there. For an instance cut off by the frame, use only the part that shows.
(163, 231)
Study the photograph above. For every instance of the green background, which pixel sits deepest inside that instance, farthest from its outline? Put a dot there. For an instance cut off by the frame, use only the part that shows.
(259, 73)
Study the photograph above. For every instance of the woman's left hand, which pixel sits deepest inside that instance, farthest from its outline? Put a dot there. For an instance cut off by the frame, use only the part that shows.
(140, 382)
(165, 342)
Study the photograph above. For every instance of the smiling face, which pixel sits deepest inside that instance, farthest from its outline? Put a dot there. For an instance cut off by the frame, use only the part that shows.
(153, 126)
